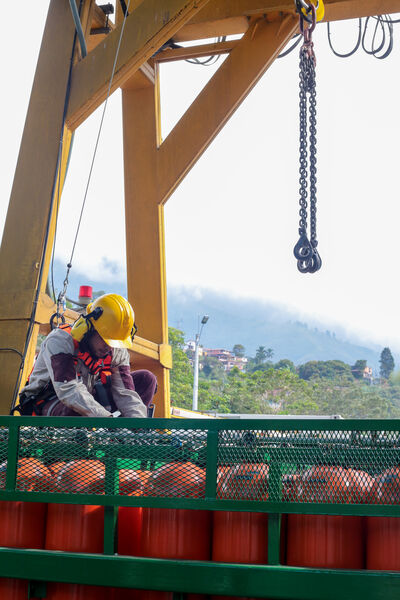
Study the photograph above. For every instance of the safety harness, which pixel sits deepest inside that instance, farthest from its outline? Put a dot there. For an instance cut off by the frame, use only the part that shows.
(32, 404)
(98, 366)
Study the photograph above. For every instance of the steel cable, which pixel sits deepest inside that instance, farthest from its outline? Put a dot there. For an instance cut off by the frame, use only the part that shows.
(61, 296)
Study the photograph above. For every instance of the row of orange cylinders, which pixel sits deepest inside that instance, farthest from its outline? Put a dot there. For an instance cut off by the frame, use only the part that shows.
(323, 541)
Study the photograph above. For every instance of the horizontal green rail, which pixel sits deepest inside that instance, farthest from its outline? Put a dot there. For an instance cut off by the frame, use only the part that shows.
(200, 577)
(310, 425)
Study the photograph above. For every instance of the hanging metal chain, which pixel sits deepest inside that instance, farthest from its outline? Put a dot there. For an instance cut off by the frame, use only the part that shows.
(305, 251)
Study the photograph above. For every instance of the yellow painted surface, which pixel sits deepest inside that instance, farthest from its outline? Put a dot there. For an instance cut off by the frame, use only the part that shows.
(148, 26)
(29, 206)
(226, 17)
(216, 48)
(165, 355)
(145, 229)
(184, 413)
(230, 16)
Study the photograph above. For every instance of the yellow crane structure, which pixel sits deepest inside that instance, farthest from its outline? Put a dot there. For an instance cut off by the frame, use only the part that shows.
(153, 168)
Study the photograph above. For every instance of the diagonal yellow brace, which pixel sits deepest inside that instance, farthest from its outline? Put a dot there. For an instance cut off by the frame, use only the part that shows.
(219, 99)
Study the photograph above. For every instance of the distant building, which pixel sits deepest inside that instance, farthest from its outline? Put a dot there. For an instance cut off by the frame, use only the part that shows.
(367, 374)
(226, 358)
(191, 346)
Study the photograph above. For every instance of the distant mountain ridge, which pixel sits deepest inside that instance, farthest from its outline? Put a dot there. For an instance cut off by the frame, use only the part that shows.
(251, 323)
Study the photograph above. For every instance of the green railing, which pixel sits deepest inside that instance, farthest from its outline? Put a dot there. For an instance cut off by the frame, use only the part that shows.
(247, 465)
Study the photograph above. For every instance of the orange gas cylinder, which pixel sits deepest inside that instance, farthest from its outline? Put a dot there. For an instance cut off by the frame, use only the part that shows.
(13, 589)
(185, 480)
(244, 482)
(175, 533)
(32, 475)
(130, 482)
(130, 518)
(383, 533)
(75, 527)
(56, 467)
(22, 524)
(326, 541)
(362, 485)
(241, 537)
(82, 476)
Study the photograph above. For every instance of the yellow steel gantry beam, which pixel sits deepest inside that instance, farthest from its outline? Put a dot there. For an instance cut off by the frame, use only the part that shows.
(228, 17)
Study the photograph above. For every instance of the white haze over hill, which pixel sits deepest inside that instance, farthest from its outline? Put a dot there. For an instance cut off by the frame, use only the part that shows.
(251, 322)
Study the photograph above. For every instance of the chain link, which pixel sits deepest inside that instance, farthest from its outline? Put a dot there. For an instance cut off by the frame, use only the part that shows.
(305, 251)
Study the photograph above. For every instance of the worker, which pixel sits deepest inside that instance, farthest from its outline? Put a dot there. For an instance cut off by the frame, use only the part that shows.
(84, 369)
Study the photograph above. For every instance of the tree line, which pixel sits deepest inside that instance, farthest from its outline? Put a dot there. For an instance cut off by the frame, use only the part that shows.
(267, 387)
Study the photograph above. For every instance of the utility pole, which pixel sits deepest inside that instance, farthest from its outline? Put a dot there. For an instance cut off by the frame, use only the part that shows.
(196, 364)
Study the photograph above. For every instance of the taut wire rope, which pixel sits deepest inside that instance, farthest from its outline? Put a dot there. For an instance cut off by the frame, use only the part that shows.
(62, 294)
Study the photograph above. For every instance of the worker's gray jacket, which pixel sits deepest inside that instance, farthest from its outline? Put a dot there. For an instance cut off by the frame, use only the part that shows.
(57, 362)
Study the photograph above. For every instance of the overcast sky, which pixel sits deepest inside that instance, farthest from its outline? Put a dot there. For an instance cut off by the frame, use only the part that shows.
(232, 224)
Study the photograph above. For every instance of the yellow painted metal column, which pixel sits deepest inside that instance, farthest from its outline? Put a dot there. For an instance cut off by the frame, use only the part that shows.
(145, 226)
(22, 254)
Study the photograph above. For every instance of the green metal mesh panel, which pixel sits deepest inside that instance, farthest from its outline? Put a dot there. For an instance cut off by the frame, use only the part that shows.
(310, 466)
(164, 464)
(264, 465)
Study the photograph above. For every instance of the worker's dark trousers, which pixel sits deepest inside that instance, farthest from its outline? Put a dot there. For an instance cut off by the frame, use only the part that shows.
(145, 385)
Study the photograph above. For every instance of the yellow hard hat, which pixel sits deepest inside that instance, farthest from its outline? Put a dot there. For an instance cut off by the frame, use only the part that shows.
(113, 318)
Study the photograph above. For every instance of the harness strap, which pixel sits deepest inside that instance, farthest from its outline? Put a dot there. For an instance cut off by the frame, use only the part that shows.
(98, 366)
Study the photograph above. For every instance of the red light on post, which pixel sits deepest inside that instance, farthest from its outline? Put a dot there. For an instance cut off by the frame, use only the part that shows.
(85, 294)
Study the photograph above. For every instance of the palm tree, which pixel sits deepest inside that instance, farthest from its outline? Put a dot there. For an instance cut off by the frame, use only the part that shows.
(261, 355)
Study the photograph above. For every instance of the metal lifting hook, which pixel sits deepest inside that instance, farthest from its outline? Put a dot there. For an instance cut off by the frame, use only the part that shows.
(307, 32)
